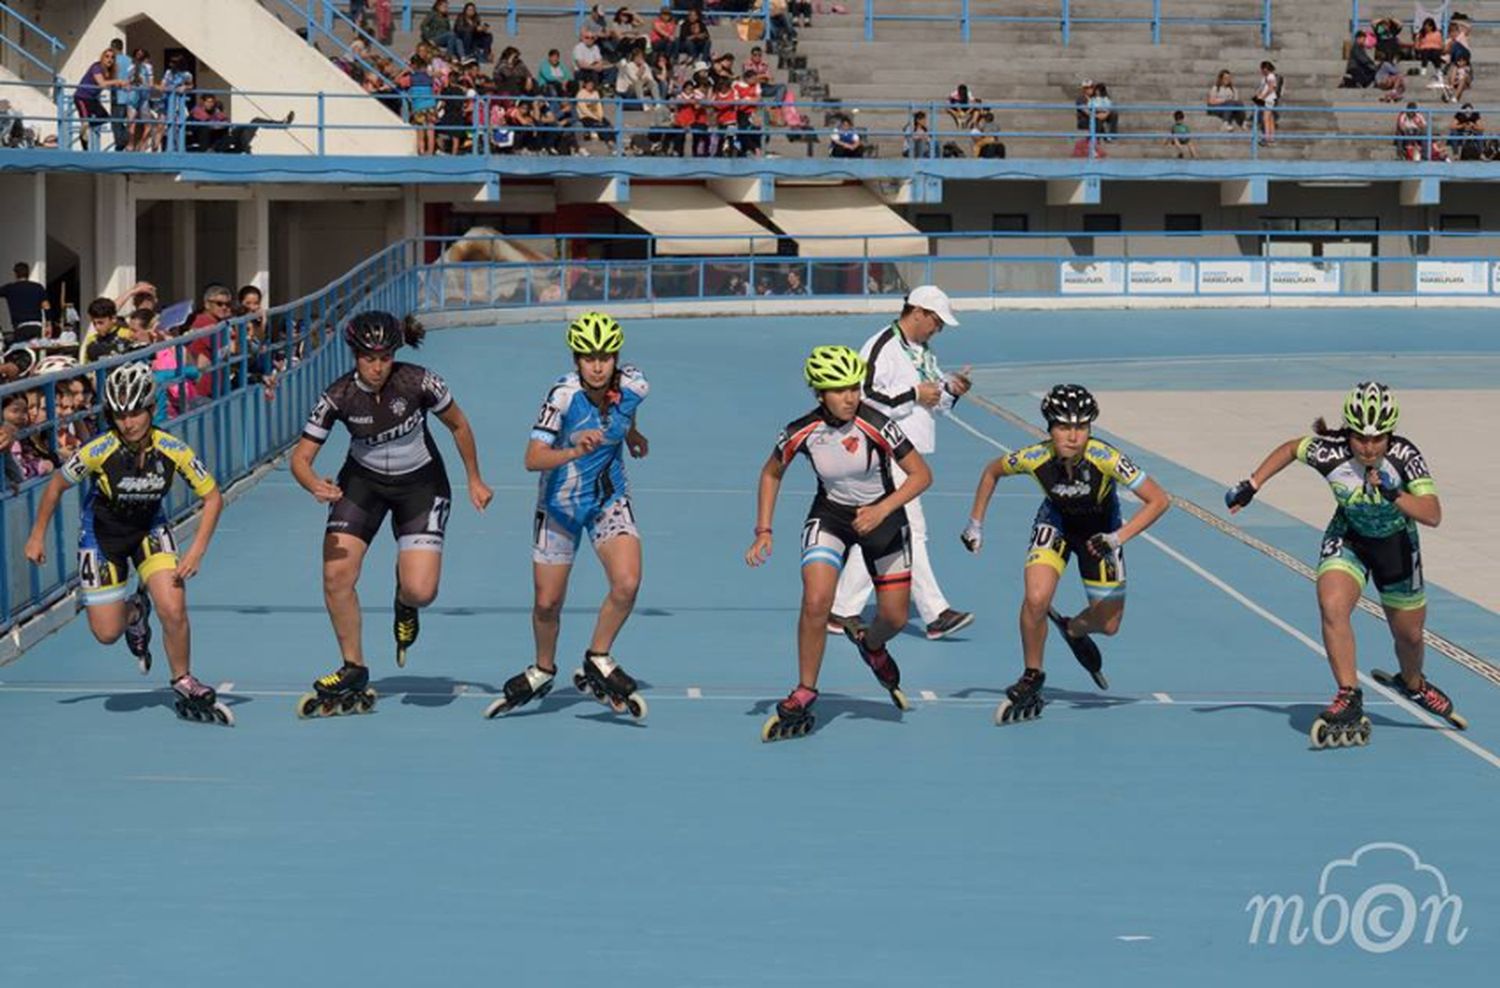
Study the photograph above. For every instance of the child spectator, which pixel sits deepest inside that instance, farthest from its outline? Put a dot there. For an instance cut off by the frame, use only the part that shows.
(916, 138)
(1181, 138)
(1266, 98)
(845, 141)
(1390, 82)
(424, 105)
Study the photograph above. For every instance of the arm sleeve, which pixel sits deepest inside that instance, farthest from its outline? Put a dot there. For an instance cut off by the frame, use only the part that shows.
(435, 393)
(192, 469)
(549, 421)
(1415, 475)
(324, 414)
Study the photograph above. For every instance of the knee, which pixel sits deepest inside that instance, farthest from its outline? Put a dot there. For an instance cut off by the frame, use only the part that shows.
(547, 608)
(421, 594)
(625, 586)
(107, 636)
(1111, 624)
(172, 612)
(1035, 604)
(817, 605)
(339, 579)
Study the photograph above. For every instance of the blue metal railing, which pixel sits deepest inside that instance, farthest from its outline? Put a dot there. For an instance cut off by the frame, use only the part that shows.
(55, 48)
(1044, 129)
(320, 17)
(1069, 14)
(264, 381)
(1479, 13)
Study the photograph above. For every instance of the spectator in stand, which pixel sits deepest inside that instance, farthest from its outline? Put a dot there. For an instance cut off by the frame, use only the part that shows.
(121, 97)
(474, 35)
(141, 81)
(28, 305)
(747, 97)
(107, 336)
(801, 11)
(455, 119)
(176, 86)
(218, 303)
(550, 137)
(1458, 38)
(437, 31)
(844, 141)
(698, 92)
(1411, 135)
(628, 32)
(1080, 104)
(1460, 78)
(1266, 98)
(73, 398)
(210, 131)
(663, 37)
(635, 82)
(1106, 118)
(782, 30)
(422, 93)
(725, 116)
(589, 61)
(1428, 46)
(916, 138)
(553, 77)
(87, 98)
(693, 42)
(1388, 44)
(982, 136)
(592, 121)
(385, 23)
(1359, 71)
(22, 411)
(1181, 139)
(1466, 137)
(1224, 102)
(963, 108)
(794, 285)
(770, 92)
(1391, 82)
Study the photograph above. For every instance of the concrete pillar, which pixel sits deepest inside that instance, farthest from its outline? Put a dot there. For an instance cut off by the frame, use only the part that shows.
(23, 235)
(253, 235)
(114, 235)
(184, 249)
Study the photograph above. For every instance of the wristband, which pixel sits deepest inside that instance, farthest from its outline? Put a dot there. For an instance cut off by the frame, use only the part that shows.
(762, 531)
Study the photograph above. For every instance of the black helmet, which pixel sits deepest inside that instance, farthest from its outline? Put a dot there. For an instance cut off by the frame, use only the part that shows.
(1070, 404)
(374, 332)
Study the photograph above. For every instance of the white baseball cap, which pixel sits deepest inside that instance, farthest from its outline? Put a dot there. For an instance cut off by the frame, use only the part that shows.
(933, 299)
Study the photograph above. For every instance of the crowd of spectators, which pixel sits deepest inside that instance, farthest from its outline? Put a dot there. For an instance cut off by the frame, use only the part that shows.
(1378, 50)
(693, 100)
(151, 112)
(34, 440)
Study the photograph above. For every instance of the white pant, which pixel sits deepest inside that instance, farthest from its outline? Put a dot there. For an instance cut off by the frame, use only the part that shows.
(854, 582)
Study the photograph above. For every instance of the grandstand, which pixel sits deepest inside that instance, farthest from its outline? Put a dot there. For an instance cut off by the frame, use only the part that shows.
(313, 162)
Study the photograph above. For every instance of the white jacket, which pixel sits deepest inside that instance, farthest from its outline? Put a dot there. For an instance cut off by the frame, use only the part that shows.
(896, 367)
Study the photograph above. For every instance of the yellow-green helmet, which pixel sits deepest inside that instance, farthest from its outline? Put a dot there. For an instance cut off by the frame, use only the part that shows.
(1371, 410)
(595, 332)
(830, 368)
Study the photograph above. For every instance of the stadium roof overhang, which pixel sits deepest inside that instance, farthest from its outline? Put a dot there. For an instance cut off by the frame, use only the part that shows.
(841, 221)
(674, 212)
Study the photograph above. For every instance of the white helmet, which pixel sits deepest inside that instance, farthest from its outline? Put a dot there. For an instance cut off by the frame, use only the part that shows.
(130, 388)
(55, 362)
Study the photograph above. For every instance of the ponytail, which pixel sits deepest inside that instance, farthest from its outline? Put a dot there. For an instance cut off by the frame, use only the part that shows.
(412, 332)
(1322, 428)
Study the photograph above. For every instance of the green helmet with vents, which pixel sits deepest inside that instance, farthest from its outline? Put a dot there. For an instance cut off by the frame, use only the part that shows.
(595, 332)
(1371, 409)
(831, 368)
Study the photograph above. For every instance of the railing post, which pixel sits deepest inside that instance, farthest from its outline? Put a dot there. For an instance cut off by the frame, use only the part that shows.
(328, 16)
(869, 20)
(1093, 132)
(60, 96)
(964, 21)
(1067, 22)
(312, 20)
(1156, 22)
(322, 145)
(511, 27)
(406, 15)
(1265, 28)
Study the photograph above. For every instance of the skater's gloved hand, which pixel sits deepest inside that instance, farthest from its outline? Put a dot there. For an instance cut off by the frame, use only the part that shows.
(638, 444)
(326, 491)
(1239, 495)
(869, 517)
(480, 494)
(1389, 488)
(973, 535)
(1103, 544)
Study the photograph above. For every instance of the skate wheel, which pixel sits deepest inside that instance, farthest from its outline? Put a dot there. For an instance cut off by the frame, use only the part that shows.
(143, 663)
(223, 715)
(581, 682)
(1458, 720)
(495, 709)
(307, 705)
(1099, 679)
(348, 702)
(771, 729)
(367, 701)
(1003, 713)
(400, 657)
(636, 704)
(1318, 733)
(615, 704)
(899, 699)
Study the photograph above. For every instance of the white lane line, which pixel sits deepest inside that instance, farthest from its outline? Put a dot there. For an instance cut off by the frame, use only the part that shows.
(1442, 726)
(1163, 698)
(694, 693)
(928, 695)
(1132, 937)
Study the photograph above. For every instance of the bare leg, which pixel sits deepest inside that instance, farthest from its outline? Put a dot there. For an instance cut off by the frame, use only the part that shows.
(343, 555)
(621, 557)
(1041, 585)
(169, 598)
(1406, 631)
(1337, 593)
(819, 581)
(551, 582)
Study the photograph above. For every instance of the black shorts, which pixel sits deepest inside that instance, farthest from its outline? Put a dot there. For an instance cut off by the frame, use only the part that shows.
(828, 535)
(418, 503)
(1053, 539)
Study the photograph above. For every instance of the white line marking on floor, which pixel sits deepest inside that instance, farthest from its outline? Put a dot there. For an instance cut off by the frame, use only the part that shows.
(1163, 698)
(1442, 726)
(928, 695)
(1132, 937)
(694, 693)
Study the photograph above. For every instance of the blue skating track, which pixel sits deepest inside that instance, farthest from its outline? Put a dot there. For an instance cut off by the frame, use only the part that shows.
(1120, 840)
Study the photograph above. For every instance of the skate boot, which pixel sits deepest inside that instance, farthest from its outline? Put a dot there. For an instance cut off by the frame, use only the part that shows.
(529, 684)
(1083, 648)
(793, 718)
(1023, 700)
(344, 691)
(1343, 723)
(882, 665)
(196, 702)
(1429, 697)
(610, 684)
(138, 631)
(406, 626)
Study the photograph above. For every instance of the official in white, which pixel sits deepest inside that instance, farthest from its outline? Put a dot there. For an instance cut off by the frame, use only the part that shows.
(905, 382)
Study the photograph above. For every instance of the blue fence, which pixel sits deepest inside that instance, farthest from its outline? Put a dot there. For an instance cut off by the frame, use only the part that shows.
(265, 378)
(53, 48)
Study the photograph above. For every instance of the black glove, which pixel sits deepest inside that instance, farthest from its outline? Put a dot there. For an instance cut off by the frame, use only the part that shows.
(1239, 495)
